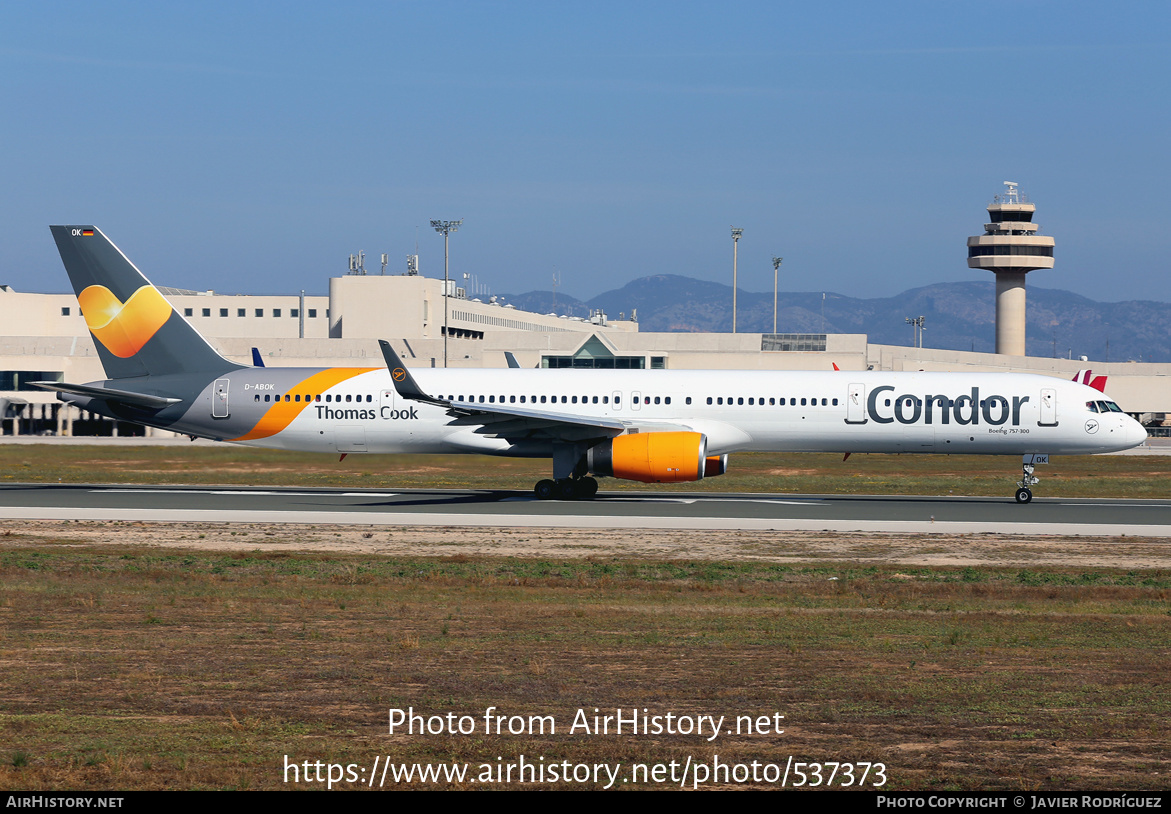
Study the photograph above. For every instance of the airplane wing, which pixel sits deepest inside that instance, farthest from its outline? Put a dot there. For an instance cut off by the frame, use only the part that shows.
(505, 421)
(127, 397)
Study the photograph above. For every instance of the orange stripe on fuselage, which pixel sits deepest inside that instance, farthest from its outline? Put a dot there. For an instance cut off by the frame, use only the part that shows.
(281, 414)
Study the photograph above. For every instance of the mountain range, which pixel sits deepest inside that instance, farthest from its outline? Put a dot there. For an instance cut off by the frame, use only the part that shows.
(959, 316)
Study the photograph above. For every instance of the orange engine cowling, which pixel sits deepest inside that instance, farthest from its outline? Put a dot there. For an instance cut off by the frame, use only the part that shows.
(651, 457)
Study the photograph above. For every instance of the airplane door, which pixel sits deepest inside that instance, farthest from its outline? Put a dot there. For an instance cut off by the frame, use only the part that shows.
(856, 404)
(219, 399)
(387, 404)
(1048, 408)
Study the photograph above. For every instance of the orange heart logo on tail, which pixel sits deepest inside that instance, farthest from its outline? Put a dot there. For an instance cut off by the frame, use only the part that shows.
(123, 328)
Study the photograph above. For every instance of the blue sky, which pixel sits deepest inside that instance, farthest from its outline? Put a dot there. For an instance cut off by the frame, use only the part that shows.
(250, 148)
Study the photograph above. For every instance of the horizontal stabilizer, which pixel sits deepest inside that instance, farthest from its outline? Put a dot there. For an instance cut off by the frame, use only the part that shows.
(121, 396)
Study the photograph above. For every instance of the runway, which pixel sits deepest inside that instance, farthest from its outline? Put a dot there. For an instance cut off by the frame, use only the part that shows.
(634, 510)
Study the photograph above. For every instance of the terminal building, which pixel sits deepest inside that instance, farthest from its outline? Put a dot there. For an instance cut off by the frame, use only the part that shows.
(431, 323)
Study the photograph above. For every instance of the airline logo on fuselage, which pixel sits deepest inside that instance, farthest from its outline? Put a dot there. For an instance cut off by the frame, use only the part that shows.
(336, 414)
(966, 409)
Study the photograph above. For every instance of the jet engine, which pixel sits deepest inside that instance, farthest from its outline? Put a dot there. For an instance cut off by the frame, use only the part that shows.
(652, 457)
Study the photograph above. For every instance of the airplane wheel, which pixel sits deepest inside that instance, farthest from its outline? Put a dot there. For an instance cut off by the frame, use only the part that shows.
(1023, 496)
(566, 489)
(544, 489)
(585, 489)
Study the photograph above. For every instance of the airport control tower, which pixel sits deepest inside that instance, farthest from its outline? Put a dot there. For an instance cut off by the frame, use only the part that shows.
(1010, 247)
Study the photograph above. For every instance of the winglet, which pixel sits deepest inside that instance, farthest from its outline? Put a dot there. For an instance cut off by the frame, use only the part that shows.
(511, 359)
(404, 382)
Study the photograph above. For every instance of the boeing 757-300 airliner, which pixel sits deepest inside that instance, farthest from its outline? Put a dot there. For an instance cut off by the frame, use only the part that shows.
(652, 426)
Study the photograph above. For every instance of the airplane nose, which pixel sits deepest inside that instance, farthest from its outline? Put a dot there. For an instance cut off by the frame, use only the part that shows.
(1136, 433)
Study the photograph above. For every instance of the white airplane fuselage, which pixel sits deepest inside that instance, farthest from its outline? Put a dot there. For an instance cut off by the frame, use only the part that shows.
(839, 411)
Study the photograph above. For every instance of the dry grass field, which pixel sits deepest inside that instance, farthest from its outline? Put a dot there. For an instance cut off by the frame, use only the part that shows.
(149, 666)
(183, 656)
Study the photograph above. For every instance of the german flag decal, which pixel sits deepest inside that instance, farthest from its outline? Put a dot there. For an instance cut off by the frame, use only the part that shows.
(87, 232)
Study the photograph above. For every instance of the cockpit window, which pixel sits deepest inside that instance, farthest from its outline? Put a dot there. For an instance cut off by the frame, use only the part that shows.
(1092, 407)
(1114, 408)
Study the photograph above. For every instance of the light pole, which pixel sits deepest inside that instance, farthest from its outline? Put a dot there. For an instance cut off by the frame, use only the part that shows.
(916, 330)
(445, 228)
(776, 274)
(736, 233)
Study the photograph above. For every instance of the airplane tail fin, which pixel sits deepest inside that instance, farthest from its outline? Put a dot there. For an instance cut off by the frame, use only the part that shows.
(1087, 377)
(136, 330)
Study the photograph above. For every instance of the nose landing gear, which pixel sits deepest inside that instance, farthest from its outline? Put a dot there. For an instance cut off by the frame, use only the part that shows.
(1023, 493)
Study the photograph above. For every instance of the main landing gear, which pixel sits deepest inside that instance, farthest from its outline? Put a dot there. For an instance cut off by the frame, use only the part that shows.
(566, 489)
(1023, 493)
